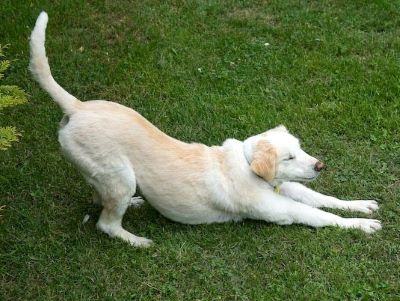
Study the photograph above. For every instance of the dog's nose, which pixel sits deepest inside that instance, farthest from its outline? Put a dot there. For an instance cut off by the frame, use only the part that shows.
(319, 166)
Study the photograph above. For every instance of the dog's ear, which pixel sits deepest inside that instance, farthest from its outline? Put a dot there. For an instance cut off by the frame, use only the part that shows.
(264, 160)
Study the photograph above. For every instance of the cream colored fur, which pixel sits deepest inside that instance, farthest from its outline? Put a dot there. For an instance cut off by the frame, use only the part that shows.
(116, 149)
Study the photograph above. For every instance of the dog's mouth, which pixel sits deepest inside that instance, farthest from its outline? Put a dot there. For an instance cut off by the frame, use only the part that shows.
(306, 179)
(309, 179)
(297, 179)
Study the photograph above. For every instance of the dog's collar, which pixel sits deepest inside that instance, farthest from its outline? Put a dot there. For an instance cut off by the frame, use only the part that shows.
(244, 155)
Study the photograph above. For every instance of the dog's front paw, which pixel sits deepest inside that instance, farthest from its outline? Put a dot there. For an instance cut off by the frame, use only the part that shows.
(365, 206)
(367, 225)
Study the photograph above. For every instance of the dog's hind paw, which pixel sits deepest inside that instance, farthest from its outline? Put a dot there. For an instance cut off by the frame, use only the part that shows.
(141, 242)
(136, 201)
(114, 230)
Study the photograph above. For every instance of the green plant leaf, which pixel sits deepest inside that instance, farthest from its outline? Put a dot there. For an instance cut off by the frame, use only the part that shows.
(7, 136)
(11, 96)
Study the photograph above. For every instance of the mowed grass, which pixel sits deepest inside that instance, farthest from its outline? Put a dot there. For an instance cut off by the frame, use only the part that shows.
(202, 71)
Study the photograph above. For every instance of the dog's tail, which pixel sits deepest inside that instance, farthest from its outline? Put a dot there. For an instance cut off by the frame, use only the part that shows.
(40, 68)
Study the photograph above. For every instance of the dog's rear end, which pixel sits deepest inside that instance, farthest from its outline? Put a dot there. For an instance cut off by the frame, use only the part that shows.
(83, 139)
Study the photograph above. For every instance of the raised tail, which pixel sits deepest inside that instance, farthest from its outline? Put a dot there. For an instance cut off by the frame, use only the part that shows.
(40, 68)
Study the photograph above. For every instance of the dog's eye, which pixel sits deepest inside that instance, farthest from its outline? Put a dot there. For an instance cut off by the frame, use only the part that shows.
(290, 158)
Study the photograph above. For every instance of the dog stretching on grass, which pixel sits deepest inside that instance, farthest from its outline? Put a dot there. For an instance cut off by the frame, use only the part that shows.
(116, 150)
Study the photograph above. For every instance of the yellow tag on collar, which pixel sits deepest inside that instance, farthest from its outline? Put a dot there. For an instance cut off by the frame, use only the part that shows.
(277, 189)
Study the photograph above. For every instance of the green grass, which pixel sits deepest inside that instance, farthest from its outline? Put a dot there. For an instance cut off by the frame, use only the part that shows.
(200, 71)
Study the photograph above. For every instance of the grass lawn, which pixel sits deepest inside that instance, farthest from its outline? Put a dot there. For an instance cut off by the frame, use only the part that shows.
(205, 71)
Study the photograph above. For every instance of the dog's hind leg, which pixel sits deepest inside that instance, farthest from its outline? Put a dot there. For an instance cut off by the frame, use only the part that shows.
(116, 190)
(110, 222)
(135, 201)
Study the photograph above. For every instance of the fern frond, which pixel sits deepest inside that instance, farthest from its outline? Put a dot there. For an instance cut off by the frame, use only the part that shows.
(3, 67)
(8, 135)
(11, 96)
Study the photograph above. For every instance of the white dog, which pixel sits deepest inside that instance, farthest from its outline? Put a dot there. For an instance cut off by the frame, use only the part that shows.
(117, 149)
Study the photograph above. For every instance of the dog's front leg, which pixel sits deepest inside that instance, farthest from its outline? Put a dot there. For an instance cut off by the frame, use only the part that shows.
(305, 195)
(284, 211)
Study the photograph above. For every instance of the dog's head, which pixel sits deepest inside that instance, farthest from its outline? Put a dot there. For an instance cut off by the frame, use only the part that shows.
(276, 156)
